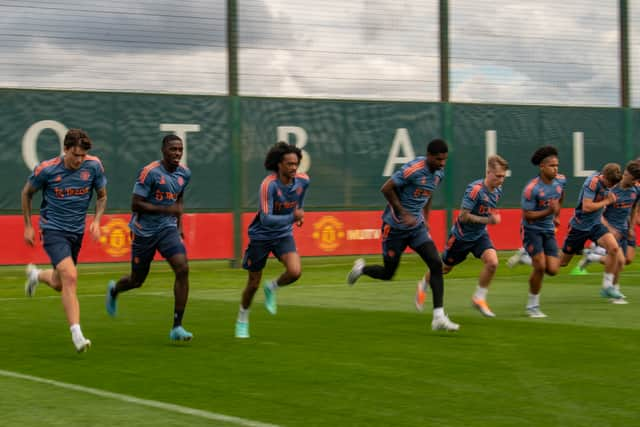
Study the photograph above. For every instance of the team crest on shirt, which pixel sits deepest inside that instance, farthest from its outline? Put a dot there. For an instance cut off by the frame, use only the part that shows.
(58, 178)
(84, 175)
(180, 181)
(423, 181)
(162, 181)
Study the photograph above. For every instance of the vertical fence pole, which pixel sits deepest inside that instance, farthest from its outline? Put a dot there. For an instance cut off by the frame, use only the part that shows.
(625, 84)
(235, 129)
(447, 122)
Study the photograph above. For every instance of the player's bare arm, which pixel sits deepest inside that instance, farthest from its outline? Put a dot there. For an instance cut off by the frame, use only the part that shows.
(532, 216)
(467, 216)
(27, 195)
(101, 206)
(298, 216)
(141, 206)
(588, 205)
(557, 205)
(389, 191)
(633, 215)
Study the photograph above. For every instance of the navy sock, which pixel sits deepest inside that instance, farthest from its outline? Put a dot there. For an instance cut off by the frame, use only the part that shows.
(177, 317)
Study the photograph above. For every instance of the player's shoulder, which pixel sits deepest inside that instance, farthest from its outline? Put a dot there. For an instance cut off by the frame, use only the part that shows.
(532, 183)
(269, 180)
(475, 183)
(184, 170)
(531, 186)
(93, 162)
(413, 166)
(474, 188)
(561, 178)
(303, 177)
(47, 165)
(593, 181)
(148, 170)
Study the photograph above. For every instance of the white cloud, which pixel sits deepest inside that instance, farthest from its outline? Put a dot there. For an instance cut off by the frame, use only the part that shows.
(530, 51)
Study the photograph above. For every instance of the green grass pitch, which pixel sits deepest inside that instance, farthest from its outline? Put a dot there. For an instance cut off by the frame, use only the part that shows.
(333, 356)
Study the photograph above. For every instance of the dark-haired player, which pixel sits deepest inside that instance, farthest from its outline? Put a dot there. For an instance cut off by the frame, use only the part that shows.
(157, 206)
(281, 204)
(67, 183)
(541, 203)
(586, 224)
(409, 194)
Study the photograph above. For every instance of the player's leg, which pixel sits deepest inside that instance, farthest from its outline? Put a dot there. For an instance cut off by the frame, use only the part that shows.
(142, 252)
(429, 254)
(180, 267)
(68, 276)
(454, 253)
(627, 246)
(285, 250)
(547, 261)
(593, 253)
(520, 257)
(171, 247)
(57, 245)
(36, 275)
(489, 259)
(423, 286)
(63, 249)
(254, 261)
(535, 244)
(613, 262)
(394, 243)
(538, 264)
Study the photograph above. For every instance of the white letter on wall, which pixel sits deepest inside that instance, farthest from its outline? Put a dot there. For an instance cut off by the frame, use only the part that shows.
(578, 156)
(180, 130)
(30, 140)
(491, 146)
(300, 135)
(401, 142)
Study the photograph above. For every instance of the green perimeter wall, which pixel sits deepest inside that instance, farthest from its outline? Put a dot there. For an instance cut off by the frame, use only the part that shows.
(348, 143)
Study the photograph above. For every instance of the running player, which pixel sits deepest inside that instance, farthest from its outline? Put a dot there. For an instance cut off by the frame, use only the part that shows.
(541, 203)
(404, 223)
(67, 183)
(156, 225)
(469, 233)
(281, 197)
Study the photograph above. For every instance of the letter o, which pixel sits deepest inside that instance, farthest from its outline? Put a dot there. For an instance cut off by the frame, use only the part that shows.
(30, 140)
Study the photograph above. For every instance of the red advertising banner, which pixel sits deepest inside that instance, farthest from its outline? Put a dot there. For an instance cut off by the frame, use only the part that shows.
(347, 232)
(206, 236)
(210, 235)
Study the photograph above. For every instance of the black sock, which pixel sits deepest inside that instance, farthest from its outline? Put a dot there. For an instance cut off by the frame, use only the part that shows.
(177, 317)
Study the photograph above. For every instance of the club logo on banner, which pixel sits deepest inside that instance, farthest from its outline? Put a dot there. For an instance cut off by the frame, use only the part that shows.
(328, 233)
(116, 237)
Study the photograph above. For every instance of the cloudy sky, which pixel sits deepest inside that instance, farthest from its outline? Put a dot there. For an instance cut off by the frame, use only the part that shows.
(524, 52)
